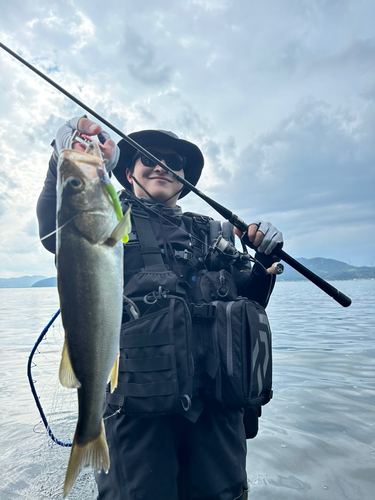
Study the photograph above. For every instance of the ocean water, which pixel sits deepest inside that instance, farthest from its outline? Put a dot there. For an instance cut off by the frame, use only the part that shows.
(316, 438)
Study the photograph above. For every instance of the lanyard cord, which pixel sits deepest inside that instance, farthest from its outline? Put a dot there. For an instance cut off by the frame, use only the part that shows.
(150, 196)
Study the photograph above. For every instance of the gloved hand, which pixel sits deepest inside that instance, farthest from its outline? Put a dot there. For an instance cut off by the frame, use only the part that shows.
(263, 236)
(87, 127)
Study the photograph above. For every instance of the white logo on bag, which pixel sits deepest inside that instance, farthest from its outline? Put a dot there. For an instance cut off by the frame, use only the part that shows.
(263, 338)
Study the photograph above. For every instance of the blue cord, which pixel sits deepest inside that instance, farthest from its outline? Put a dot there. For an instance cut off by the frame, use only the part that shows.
(32, 386)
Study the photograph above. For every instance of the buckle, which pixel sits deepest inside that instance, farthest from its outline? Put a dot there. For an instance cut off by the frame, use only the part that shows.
(202, 311)
(183, 254)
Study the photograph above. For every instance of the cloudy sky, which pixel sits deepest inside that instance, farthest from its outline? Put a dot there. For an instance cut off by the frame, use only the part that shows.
(278, 94)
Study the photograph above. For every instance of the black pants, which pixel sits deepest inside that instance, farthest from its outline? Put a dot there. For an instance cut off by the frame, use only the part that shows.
(171, 458)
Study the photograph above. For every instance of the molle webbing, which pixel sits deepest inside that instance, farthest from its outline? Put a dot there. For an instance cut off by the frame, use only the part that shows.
(155, 371)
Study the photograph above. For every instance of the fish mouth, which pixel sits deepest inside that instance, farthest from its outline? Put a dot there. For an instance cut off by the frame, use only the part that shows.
(93, 211)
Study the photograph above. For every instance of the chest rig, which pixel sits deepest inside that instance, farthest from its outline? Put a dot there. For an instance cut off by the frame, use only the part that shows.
(187, 333)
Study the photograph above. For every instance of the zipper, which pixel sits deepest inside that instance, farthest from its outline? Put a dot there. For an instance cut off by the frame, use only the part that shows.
(200, 345)
(215, 344)
(228, 311)
(200, 349)
(222, 291)
(215, 340)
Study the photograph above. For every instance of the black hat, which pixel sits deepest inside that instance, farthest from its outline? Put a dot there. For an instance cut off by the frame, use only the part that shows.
(163, 138)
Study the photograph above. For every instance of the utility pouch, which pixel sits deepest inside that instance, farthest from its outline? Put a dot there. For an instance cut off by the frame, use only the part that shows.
(156, 361)
(241, 339)
(212, 285)
(234, 342)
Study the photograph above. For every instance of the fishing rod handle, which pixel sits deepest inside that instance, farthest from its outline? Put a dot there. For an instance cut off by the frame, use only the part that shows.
(330, 290)
(276, 268)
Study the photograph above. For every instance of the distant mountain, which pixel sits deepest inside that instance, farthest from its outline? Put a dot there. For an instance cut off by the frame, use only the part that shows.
(46, 282)
(23, 282)
(328, 269)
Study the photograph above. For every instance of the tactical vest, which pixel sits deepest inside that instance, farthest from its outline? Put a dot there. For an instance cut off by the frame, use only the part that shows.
(190, 334)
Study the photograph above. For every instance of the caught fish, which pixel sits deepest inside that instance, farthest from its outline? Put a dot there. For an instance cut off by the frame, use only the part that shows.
(90, 285)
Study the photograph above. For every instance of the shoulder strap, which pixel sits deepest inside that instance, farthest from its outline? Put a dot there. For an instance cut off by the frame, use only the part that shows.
(227, 232)
(199, 227)
(150, 250)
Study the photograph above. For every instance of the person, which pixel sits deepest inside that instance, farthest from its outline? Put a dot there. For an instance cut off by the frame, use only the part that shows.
(198, 452)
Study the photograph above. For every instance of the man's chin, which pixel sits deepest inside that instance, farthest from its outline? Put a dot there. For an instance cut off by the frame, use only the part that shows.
(165, 198)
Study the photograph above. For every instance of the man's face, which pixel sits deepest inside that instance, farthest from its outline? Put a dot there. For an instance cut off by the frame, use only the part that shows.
(160, 184)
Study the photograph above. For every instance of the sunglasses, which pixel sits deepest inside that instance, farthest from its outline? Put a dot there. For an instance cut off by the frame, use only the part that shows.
(174, 161)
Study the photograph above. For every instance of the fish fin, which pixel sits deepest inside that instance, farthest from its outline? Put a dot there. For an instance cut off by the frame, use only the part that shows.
(113, 376)
(121, 231)
(94, 453)
(66, 374)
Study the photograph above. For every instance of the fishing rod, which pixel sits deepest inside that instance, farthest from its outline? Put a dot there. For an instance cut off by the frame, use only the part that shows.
(330, 290)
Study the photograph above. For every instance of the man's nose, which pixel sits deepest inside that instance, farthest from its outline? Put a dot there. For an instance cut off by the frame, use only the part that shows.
(157, 166)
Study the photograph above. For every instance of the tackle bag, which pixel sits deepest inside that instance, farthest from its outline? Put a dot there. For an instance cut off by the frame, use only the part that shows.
(156, 356)
(235, 340)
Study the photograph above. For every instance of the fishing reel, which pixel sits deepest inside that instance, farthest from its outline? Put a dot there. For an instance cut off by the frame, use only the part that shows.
(223, 254)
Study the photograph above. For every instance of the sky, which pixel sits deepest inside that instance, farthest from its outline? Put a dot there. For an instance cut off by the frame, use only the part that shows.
(278, 94)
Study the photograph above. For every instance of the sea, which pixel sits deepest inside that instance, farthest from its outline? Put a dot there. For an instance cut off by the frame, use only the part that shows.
(316, 437)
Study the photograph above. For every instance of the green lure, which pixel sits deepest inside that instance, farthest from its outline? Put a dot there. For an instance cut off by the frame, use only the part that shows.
(113, 196)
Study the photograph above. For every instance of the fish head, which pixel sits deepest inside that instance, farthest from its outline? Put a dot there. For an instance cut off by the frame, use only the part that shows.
(82, 200)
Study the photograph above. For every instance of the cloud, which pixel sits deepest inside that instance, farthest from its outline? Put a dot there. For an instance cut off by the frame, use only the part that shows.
(356, 56)
(278, 95)
(144, 66)
(322, 153)
(309, 175)
(212, 5)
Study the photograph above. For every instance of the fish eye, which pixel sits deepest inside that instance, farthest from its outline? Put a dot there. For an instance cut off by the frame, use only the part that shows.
(74, 183)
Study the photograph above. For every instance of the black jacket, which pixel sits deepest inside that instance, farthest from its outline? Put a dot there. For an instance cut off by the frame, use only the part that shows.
(171, 234)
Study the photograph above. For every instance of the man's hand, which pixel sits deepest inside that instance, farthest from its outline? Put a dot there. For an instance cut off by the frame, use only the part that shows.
(87, 127)
(263, 236)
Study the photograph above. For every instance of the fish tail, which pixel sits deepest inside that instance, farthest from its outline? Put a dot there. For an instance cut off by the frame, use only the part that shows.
(94, 453)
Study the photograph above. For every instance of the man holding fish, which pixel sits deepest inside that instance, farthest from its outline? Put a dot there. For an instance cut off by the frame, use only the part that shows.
(170, 435)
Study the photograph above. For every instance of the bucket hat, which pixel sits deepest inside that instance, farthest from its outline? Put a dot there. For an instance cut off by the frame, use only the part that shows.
(152, 138)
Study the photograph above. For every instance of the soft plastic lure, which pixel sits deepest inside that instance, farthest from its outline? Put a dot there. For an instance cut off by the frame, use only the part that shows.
(102, 174)
(113, 196)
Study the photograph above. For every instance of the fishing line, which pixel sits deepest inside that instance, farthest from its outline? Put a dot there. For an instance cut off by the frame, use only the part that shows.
(41, 239)
(341, 298)
(28, 112)
(58, 229)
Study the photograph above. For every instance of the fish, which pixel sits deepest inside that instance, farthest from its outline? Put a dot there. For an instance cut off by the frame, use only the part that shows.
(89, 256)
